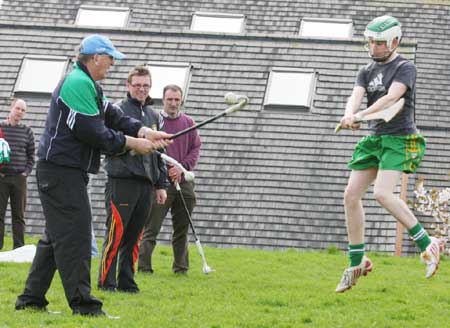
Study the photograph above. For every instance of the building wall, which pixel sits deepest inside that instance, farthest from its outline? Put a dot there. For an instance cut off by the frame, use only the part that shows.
(266, 179)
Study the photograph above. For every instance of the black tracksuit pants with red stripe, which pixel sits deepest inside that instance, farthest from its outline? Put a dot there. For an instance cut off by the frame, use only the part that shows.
(128, 204)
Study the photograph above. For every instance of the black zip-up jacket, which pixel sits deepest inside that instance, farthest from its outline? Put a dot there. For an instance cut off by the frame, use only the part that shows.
(81, 123)
(150, 166)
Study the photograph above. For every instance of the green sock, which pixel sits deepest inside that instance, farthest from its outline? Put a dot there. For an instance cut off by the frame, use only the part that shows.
(355, 253)
(420, 236)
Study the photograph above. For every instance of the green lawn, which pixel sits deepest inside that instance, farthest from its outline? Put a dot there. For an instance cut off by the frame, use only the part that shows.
(252, 288)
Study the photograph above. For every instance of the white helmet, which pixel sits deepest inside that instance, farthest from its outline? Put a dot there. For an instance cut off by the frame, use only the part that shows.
(384, 28)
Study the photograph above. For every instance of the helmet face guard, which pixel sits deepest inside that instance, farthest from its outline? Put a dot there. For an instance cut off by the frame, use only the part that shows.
(384, 28)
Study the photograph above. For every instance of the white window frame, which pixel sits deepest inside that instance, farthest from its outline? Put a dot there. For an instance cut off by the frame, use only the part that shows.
(25, 79)
(103, 11)
(304, 29)
(291, 90)
(198, 15)
(159, 81)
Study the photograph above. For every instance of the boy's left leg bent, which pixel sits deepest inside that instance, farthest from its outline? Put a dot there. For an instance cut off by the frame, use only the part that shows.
(383, 192)
(404, 154)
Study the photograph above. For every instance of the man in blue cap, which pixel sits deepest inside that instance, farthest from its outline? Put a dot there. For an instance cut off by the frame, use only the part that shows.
(81, 124)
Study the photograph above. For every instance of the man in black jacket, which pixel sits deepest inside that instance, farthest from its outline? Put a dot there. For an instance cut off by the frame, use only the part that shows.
(81, 123)
(131, 182)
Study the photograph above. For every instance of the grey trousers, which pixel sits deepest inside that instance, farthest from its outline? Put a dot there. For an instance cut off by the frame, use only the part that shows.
(180, 225)
(14, 189)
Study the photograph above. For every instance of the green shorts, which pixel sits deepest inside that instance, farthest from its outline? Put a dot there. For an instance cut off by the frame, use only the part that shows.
(386, 152)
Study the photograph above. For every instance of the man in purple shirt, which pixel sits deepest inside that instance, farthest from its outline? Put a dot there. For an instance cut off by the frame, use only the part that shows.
(186, 150)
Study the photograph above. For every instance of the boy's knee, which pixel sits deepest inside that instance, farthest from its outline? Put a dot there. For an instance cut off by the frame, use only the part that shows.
(351, 198)
(381, 195)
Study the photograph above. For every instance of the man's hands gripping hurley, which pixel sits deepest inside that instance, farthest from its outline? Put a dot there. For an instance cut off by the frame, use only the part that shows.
(147, 141)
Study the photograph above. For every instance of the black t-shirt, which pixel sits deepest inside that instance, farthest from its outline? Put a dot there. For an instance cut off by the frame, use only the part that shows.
(377, 78)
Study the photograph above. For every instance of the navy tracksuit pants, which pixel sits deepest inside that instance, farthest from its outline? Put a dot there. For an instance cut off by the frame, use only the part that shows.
(66, 243)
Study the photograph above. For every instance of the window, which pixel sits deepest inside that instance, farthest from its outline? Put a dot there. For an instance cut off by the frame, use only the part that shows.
(217, 22)
(326, 28)
(102, 16)
(290, 88)
(40, 74)
(164, 73)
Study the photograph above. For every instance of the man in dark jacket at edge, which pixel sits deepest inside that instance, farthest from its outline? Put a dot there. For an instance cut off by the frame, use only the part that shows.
(80, 124)
(128, 193)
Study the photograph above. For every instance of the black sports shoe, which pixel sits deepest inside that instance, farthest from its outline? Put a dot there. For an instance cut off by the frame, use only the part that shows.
(107, 289)
(21, 306)
(93, 313)
(129, 290)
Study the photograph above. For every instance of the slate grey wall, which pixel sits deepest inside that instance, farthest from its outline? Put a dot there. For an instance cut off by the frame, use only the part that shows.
(265, 179)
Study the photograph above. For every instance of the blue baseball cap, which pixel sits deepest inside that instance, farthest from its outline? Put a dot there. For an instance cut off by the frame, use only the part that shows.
(99, 44)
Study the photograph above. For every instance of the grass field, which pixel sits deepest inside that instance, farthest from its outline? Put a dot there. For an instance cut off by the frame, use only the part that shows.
(252, 289)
